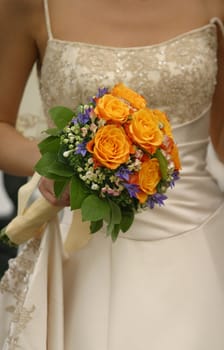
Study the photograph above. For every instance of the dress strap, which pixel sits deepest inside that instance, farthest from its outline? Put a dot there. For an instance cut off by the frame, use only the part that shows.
(219, 23)
(47, 19)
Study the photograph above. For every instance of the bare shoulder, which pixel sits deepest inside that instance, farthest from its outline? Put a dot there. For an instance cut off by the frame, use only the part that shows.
(219, 8)
(222, 9)
(215, 8)
(19, 7)
(19, 13)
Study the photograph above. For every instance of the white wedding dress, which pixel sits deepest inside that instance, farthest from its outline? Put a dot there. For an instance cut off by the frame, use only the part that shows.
(161, 285)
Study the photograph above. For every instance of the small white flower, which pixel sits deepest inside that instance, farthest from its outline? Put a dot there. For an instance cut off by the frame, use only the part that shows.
(67, 153)
(101, 122)
(90, 161)
(89, 173)
(84, 131)
(94, 186)
(138, 153)
(93, 127)
(171, 166)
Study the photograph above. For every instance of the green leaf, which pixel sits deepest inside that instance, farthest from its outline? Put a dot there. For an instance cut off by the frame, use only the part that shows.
(115, 232)
(96, 226)
(60, 152)
(51, 144)
(52, 131)
(162, 163)
(44, 164)
(94, 209)
(5, 239)
(127, 219)
(59, 187)
(115, 212)
(61, 116)
(61, 169)
(78, 193)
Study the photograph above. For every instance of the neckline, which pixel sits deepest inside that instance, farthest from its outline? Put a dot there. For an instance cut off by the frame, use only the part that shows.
(128, 48)
(110, 47)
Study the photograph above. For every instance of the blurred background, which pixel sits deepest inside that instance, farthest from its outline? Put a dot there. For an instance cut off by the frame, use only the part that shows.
(30, 123)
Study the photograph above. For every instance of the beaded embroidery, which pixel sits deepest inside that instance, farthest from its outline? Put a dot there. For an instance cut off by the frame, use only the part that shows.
(15, 284)
(177, 76)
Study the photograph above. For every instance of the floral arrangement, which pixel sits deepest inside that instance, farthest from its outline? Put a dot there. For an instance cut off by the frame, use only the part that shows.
(117, 155)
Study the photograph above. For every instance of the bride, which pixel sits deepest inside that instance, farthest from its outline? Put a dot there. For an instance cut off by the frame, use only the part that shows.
(161, 285)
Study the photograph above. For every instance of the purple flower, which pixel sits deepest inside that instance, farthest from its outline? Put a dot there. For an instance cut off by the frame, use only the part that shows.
(157, 198)
(132, 189)
(81, 149)
(75, 120)
(84, 117)
(102, 92)
(175, 177)
(123, 173)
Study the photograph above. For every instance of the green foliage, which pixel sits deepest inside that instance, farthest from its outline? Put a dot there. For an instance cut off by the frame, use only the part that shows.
(61, 116)
(60, 169)
(5, 239)
(94, 209)
(162, 163)
(115, 231)
(78, 193)
(127, 219)
(96, 226)
(49, 167)
(59, 187)
(49, 145)
(44, 164)
(52, 131)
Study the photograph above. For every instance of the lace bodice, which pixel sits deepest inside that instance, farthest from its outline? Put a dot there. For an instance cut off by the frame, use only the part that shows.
(177, 76)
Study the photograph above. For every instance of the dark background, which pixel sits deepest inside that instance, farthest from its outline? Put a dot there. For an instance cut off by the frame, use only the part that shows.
(11, 184)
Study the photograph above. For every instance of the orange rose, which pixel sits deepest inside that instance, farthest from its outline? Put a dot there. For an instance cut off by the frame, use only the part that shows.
(122, 91)
(175, 157)
(112, 108)
(164, 122)
(149, 176)
(142, 196)
(110, 146)
(144, 130)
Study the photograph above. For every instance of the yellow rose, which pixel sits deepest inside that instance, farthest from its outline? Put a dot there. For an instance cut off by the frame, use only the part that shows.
(149, 176)
(110, 146)
(137, 101)
(112, 108)
(164, 122)
(144, 130)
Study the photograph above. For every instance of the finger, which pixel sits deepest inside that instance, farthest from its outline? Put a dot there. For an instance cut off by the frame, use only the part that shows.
(46, 189)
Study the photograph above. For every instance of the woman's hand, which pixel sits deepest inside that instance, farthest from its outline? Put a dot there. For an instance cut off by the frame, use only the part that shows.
(46, 187)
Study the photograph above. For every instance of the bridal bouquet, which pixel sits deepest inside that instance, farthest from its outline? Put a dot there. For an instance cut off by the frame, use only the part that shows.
(117, 155)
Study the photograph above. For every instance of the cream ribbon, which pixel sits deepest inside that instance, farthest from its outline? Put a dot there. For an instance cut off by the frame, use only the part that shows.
(31, 221)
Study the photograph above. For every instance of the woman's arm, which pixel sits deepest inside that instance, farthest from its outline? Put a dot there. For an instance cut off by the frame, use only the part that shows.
(21, 27)
(18, 54)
